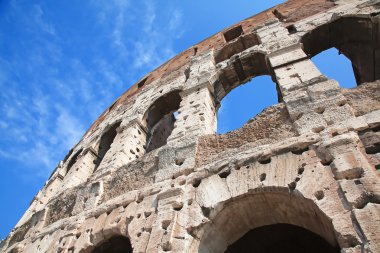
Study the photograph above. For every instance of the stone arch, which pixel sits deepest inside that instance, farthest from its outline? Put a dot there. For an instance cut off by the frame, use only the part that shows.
(73, 160)
(234, 218)
(159, 119)
(116, 244)
(358, 38)
(241, 69)
(105, 143)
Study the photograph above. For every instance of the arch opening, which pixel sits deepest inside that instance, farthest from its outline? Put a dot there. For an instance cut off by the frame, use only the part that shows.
(266, 215)
(160, 118)
(356, 38)
(105, 143)
(245, 102)
(283, 238)
(336, 66)
(119, 244)
(73, 160)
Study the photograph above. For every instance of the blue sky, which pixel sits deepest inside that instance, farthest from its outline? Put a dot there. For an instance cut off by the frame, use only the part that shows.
(63, 62)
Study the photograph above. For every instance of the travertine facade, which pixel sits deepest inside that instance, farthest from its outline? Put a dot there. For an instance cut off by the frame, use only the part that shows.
(303, 173)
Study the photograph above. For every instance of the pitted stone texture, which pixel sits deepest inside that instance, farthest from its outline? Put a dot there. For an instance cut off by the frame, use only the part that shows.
(311, 161)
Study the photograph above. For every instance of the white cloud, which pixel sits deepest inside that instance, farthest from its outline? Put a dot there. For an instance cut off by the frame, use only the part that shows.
(38, 20)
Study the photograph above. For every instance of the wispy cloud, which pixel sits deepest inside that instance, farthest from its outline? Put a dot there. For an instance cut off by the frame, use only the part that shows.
(39, 21)
(52, 93)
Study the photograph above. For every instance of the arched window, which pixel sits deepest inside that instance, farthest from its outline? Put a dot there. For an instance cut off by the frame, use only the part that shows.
(279, 222)
(285, 238)
(354, 37)
(73, 160)
(336, 66)
(245, 102)
(118, 244)
(160, 118)
(105, 143)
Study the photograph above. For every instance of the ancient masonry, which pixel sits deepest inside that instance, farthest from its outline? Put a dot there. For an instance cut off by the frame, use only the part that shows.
(302, 176)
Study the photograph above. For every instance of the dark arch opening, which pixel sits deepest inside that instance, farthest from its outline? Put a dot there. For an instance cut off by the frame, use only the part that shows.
(234, 218)
(119, 244)
(160, 118)
(356, 38)
(73, 160)
(105, 143)
(285, 238)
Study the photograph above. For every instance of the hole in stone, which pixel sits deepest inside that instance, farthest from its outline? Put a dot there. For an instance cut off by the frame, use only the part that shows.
(326, 163)
(142, 82)
(196, 182)
(179, 161)
(318, 129)
(377, 166)
(178, 207)
(301, 170)
(320, 110)
(291, 29)
(373, 149)
(300, 151)
(225, 174)
(265, 161)
(319, 195)
(165, 224)
(206, 211)
(357, 182)
(341, 103)
(278, 15)
(263, 176)
(292, 186)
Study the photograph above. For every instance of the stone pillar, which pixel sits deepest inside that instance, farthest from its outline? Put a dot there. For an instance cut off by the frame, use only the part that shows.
(128, 145)
(197, 115)
(163, 237)
(357, 179)
(313, 101)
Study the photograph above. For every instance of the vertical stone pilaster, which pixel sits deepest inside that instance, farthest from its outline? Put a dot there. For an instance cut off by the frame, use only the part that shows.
(313, 101)
(197, 115)
(163, 237)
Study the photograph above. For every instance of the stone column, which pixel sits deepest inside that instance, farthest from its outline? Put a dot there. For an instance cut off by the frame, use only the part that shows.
(357, 180)
(163, 237)
(197, 114)
(313, 101)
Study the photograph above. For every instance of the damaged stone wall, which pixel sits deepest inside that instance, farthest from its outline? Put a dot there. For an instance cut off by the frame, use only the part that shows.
(143, 179)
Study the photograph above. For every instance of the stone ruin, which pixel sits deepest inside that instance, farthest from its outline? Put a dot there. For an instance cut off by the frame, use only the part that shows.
(152, 175)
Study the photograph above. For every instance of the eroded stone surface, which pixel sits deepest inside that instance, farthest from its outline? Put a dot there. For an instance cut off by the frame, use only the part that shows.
(152, 171)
